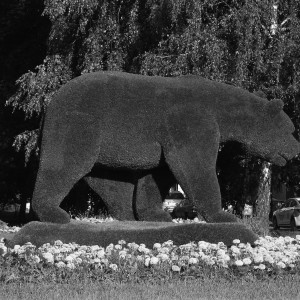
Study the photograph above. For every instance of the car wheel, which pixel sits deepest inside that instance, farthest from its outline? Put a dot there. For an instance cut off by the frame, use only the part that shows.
(275, 223)
(293, 224)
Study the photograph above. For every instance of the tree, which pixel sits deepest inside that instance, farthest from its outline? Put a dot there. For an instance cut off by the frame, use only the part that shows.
(168, 38)
(23, 35)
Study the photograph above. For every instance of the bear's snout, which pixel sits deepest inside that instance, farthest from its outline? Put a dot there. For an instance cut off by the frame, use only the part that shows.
(292, 150)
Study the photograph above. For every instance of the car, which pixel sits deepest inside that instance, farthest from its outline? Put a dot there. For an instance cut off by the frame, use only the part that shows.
(172, 200)
(179, 207)
(288, 214)
(184, 210)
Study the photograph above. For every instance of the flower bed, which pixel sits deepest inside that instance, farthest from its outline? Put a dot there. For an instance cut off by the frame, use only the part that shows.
(269, 255)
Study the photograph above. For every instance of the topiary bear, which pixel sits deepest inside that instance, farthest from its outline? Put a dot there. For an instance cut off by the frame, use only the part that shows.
(131, 137)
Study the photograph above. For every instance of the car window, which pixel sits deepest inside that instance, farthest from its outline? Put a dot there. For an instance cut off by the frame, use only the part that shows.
(294, 203)
(291, 202)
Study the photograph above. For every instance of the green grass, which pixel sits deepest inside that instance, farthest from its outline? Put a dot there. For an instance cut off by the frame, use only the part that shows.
(285, 287)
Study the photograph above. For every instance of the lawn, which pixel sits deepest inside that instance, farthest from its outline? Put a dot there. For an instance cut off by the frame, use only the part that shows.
(285, 287)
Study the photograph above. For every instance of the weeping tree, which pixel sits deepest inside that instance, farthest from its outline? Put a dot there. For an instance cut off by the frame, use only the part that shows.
(250, 44)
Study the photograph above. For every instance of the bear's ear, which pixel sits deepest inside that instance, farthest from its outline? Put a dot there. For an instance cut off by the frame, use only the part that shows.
(274, 107)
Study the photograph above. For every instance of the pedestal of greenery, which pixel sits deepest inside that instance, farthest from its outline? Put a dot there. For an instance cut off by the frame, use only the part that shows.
(148, 233)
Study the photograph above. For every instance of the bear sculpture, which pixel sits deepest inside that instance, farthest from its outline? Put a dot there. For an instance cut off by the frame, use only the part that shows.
(130, 137)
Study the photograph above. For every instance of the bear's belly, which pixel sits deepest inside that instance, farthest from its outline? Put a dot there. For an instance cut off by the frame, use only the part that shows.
(129, 155)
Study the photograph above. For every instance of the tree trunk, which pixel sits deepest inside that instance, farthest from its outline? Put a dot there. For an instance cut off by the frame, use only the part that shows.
(262, 204)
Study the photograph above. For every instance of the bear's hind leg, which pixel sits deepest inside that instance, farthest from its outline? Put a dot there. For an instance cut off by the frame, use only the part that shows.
(149, 195)
(50, 190)
(116, 194)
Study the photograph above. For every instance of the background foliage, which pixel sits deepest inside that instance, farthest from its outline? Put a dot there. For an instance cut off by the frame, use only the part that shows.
(251, 44)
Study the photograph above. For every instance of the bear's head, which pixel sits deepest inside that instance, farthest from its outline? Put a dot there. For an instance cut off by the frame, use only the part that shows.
(271, 133)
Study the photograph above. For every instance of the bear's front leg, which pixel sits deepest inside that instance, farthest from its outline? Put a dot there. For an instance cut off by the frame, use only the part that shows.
(198, 179)
(191, 153)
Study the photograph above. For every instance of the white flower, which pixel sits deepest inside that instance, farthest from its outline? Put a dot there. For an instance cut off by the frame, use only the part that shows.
(203, 245)
(60, 264)
(64, 249)
(269, 259)
(154, 260)
(157, 246)
(96, 260)
(95, 248)
(70, 265)
(133, 246)
(195, 254)
(247, 261)
(239, 263)
(213, 246)
(122, 254)
(58, 243)
(55, 251)
(78, 260)
(221, 252)
(258, 258)
(168, 243)
(221, 245)
(100, 253)
(288, 239)
(163, 256)
(139, 258)
(118, 247)
(147, 261)
(164, 250)
(113, 267)
(142, 248)
(16, 248)
(235, 250)
(70, 258)
(3, 249)
(260, 266)
(236, 241)
(109, 248)
(175, 268)
(35, 259)
(193, 260)
(83, 248)
(48, 257)
(281, 265)
(225, 258)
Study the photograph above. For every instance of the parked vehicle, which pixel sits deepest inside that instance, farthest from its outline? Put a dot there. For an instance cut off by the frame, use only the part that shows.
(288, 214)
(184, 210)
(172, 200)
